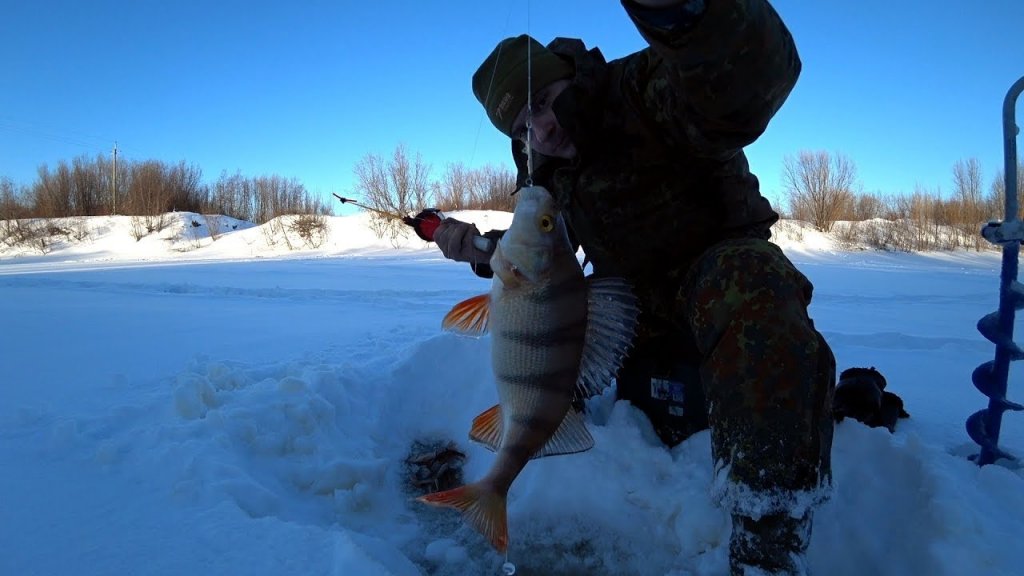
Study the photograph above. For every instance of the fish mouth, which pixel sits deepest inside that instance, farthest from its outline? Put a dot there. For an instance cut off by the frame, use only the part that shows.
(511, 274)
(518, 272)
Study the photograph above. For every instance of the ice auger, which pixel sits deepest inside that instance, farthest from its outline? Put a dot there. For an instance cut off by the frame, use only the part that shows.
(991, 377)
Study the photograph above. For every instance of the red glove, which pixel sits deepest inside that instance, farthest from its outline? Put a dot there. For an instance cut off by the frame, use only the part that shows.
(425, 223)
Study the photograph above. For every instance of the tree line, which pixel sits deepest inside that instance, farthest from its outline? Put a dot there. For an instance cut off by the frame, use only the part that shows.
(401, 184)
(823, 190)
(820, 188)
(94, 186)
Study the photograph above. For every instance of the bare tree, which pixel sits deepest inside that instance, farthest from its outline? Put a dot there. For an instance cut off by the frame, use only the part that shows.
(87, 186)
(275, 196)
(495, 188)
(139, 227)
(820, 187)
(397, 186)
(996, 201)
(121, 173)
(867, 207)
(151, 188)
(232, 196)
(260, 199)
(12, 200)
(185, 190)
(312, 228)
(12, 210)
(967, 181)
(487, 188)
(454, 191)
(52, 192)
(144, 189)
(969, 208)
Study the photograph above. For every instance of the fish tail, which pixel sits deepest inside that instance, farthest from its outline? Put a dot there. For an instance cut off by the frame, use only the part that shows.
(482, 508)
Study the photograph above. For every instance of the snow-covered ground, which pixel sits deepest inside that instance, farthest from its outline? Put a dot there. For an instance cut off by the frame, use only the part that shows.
(178, 405)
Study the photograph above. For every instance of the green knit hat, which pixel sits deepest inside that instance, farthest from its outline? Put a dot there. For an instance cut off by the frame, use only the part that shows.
(500, 84)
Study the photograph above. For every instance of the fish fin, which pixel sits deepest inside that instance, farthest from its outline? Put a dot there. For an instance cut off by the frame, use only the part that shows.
(483, 509)
(612, 313)
(469, 316)
(571, 437)
(487, 428)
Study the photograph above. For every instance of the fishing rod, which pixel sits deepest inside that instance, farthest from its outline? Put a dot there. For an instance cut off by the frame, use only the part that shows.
(391, 215)
(424, 223)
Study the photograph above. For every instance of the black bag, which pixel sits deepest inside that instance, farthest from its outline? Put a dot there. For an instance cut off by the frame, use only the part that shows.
(662, 379)
(860, 394)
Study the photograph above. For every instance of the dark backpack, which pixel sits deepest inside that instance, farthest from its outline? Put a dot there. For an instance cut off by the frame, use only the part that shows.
(860, 394)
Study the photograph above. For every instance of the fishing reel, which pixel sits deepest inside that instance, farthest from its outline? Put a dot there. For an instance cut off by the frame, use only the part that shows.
(425, 223)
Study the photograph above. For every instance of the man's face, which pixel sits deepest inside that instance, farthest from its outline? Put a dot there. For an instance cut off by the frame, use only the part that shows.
(546, 134)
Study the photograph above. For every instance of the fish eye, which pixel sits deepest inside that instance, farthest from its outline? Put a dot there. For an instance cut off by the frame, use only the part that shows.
(547, 223)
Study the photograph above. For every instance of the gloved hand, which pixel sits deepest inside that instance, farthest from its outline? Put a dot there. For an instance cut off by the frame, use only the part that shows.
(462, 242)
(425, 223)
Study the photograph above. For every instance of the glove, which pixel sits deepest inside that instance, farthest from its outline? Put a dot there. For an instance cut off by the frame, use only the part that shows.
(462, 242)
(425, 223)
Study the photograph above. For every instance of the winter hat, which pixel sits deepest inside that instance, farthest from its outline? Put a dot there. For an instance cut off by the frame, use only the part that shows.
(500, 84)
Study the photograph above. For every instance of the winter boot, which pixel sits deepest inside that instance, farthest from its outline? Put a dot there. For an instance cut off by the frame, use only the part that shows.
(773, 544)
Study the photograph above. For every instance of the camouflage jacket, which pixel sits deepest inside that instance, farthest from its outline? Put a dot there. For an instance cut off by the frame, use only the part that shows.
(660, 174)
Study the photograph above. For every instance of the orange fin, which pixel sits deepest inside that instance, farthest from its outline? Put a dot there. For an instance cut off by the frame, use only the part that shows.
(469, 316)
(487, 428)
(481, 508)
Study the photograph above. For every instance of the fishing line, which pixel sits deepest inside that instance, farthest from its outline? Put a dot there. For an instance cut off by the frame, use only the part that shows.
(529, 102)
(490, 84)
(508, 568)
(529, 95)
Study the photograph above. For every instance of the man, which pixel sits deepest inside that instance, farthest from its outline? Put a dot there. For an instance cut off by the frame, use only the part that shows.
(644, 156)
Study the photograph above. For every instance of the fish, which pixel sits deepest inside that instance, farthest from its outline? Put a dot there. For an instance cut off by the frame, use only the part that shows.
(557, 337)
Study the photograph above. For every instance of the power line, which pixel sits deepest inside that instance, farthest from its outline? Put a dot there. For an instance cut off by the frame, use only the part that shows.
(59, 135)
(50, 136)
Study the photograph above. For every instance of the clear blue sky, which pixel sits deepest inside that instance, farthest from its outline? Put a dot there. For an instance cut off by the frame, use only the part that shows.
(306, 89)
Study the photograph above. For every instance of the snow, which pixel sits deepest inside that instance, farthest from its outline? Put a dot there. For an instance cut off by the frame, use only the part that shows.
(184, 405)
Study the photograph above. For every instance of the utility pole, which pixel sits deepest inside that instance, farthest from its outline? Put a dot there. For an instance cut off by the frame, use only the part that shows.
(113, 180)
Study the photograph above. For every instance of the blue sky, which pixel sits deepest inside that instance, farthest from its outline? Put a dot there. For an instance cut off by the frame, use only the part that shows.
(306, 89)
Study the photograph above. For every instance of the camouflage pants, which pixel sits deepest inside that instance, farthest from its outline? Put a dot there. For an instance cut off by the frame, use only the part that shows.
(768, 376)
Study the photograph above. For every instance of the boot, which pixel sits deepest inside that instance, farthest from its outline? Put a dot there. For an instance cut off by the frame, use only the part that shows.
(773, 544)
